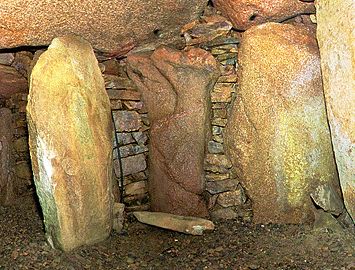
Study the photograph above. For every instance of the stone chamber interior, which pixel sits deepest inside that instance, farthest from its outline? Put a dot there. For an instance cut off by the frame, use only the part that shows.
(233, 118)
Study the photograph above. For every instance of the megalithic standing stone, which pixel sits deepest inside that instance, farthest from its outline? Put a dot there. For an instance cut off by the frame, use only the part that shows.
(70, 133)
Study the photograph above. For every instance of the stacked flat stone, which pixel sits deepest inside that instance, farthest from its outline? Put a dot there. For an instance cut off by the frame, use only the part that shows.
(14, 68)
(226, 197)
(132, 127)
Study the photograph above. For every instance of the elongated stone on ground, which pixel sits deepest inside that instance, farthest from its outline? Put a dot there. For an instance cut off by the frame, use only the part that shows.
(188, 225)
(175, 87)
(277, 136)
(70, 137)
(336, 39)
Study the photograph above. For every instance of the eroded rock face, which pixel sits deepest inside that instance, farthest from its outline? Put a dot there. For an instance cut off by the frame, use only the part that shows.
(277, 135)
(7, 175)
(70, 141)
(246, 13)
(336, 39)
(114, 25)
(11, 82)
(175, 88)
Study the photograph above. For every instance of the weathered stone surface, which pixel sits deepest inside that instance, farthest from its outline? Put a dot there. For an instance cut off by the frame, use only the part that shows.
(175, 87)
(136, 188)
(277, 136)
(71, 153)
(335, 33)
(110, 25)
(118, 216)
(127, 121)
(123, 94)
(215, 147)
(222, 92)
(7, 177)
(231, 198)
(131, 164)
(246, 13)
(23, 170)
(11, 82)
(224, 213)
(6, 58)
(132, 149)
(188, 225)
(215, 187)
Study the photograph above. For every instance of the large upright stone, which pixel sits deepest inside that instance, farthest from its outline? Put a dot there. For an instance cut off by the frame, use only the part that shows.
(7, 174)
(277, 136)
(175, 87)
(336, 39)
(70, 143)
(115, 26)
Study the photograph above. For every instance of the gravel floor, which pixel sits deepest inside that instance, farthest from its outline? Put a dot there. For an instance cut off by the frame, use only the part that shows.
(233, 245)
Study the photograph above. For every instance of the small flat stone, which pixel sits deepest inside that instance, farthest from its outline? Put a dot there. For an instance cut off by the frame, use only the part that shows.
(183, 224)
(123, 138)
(216, 130)
(222, 92)
(220, 113)
(231, 198)
(233, 78)
(136, 188)
(123, 94)
(140, 137)
(216, 187)
(115, 82)
(127, 120)
(218, 160)
(132, 149)
(6, 58)
(116, 104)
(215, 147)
(222, 122)
(224, 213)
(130, 165)
(133, 105)
(217, 176)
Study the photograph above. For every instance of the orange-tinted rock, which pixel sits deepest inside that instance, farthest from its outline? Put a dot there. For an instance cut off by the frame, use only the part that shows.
(11, 82)
(7, 178)
(335, 33)
(246, 13)
(70, 138)
(175, 87)
(277, 135)
(109, 25)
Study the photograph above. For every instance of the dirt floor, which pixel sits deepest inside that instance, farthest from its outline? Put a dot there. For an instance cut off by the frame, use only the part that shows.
(233, 245)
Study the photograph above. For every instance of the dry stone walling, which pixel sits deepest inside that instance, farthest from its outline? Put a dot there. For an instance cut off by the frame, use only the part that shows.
(277, 135)
(336, 39)
(175, 87)
(70, 137)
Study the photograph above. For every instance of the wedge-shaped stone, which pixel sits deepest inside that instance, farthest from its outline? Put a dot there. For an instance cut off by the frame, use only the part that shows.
(188, 225)
(70, 141)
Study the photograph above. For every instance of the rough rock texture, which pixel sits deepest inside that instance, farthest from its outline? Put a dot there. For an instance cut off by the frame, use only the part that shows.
(175, 87)
(70, 141)
(336, 39)
(188, 225)
(7, 185)
(114, 25)
(11, 82)
(277, 136)
(246, 13)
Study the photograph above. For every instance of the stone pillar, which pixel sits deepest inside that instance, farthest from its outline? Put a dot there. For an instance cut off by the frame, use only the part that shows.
(7, 176)
(175, 87)
(70, 138)
(336, 39)
(277, 135)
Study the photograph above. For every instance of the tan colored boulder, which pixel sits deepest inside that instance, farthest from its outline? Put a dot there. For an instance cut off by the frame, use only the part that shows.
(115, 26)
(70, 138)
(188, 225)
(175, 88)
(11, 82)
(277, 136)
(336, 39)
(7, 174)
(246, 13)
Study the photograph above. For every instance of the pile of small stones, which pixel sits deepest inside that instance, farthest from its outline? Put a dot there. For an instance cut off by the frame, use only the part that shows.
(226, 197)
(131, 126)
